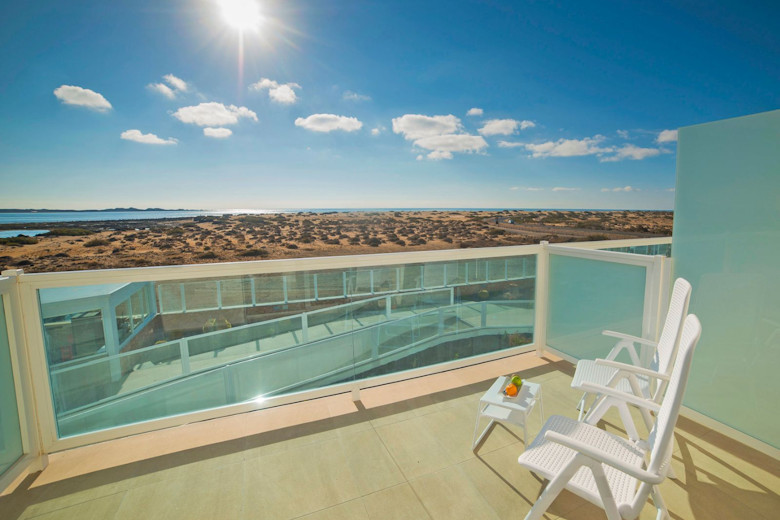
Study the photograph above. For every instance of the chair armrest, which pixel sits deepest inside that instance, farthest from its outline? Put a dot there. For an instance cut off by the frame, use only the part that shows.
(632, 368)
(629, 337)
(622, 396)
(604, 457)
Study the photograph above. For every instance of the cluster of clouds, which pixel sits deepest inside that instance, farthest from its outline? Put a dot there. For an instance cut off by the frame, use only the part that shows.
(593, 146)
(282, 93)
(171, 86)
(433, 137)
(619, 189)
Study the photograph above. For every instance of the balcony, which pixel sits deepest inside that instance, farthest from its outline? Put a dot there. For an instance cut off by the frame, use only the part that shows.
(402, 451)
(347, 386)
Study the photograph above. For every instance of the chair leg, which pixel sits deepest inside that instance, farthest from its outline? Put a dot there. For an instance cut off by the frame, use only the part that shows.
(663, 513)
(553, 489)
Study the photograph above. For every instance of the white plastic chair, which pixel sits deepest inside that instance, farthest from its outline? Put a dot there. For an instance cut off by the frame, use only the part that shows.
(607, 470)
(633, 378)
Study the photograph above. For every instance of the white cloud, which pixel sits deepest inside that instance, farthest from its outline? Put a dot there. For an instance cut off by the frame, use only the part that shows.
(378, 130)
(475, 112)
(329, 123)
(442, 146)
(514, 188)
(213, 114)
(163, 89)
(526, 124)
(509, 144)
(354, 96)
(559, 188)
(439, 134)
(83, 97)
(138, 137)
(633, 152)
(176, 83)
(499, 127)
(670, 189)
(217, 133)
(568, 147)
(420, 157)
(416, 126)
(624, 188)
(623, 134)
(667, 136)
(536, 189)
(278, 92)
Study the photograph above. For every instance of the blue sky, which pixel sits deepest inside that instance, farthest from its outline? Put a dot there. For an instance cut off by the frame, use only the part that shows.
(368, 103)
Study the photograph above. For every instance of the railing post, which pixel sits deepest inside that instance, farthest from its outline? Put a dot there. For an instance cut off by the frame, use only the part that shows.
(184, 353)
(219, 294)
(441, 322)
(483, 311)
(388, 307)
(316, 288)
(304, 327)
(183, 299)
(542, 286)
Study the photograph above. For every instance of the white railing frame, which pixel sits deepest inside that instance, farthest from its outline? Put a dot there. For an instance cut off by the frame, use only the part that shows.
(27, 285)
(657, 271)
(33, 456)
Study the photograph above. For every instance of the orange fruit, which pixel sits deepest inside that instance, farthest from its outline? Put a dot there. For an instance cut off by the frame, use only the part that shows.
(511, 390)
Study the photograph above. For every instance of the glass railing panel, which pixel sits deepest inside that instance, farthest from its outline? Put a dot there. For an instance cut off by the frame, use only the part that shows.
(201, 295)
(10, 429)
(497, 269)
(78, 385)
(651, 249)
(411, 277)
(331, 285)
(269, 289)
(434, 275)
(170, 297)
(360, 282)
(235, 292)
(385, 279)
(300, 287)
(587, 296)
(274, 334)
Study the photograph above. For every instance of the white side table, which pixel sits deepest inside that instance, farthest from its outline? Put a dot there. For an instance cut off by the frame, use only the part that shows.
(498, 407)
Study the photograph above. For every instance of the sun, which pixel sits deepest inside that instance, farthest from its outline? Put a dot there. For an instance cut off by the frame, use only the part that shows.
(241, 14)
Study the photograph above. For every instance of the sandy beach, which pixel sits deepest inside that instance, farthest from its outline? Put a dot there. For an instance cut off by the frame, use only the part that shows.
(232, 238)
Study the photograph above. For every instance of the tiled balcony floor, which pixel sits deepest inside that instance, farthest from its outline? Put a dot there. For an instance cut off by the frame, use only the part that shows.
(403, 452)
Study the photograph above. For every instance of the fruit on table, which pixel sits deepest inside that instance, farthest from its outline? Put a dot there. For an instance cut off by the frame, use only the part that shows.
(511, 390)
(516, 380)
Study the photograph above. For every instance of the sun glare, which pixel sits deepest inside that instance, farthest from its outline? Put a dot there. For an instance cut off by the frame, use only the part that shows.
(241, 14)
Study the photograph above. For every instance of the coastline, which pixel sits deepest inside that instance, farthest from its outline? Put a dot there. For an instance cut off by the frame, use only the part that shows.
(108, 244)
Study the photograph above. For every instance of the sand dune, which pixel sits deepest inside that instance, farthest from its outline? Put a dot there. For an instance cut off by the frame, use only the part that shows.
(114, 244)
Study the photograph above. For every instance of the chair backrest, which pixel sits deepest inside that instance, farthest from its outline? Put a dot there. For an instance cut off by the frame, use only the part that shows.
(670, 335)
(662, 436)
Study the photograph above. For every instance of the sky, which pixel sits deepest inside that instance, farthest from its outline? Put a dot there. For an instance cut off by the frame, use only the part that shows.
(369, 104)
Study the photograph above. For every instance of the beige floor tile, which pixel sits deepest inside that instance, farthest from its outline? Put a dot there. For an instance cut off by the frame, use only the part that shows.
(734, 474)
(414, 447)
(200, 495)
(395, 503)
(299, 481)
(449, 494)
(77, 490)
(369, 461)
(509, 488)
(352, 510)
(98, 509)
